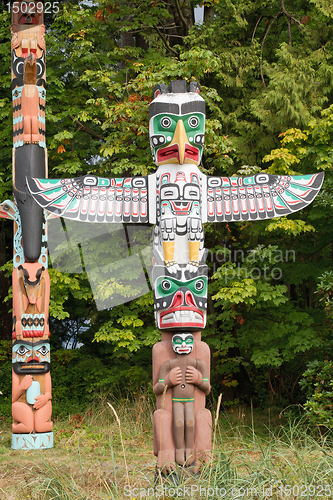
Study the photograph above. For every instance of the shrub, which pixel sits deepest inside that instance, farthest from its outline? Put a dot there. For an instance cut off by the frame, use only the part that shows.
(317, 381)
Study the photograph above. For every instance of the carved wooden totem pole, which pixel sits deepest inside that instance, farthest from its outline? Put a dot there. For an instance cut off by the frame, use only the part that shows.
(178, 199)
(31, 392)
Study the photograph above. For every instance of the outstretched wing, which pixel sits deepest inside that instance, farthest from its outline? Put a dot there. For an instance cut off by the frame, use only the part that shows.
(93, 199)
(261, 196)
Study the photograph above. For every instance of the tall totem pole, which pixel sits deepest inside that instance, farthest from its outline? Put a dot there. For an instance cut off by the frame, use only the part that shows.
(178, 199)
(31, 388)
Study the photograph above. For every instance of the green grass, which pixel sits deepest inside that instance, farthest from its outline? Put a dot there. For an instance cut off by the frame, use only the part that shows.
(257, 455)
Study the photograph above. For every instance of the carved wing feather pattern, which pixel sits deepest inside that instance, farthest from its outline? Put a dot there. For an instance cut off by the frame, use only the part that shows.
(93, 199)
(261, 196)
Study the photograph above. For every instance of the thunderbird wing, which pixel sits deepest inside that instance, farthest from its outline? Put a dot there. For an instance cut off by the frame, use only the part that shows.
(93, 199)
(261, 196)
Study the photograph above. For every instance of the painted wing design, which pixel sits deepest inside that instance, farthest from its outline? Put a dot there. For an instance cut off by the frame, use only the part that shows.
(261, 196)
(93, 199)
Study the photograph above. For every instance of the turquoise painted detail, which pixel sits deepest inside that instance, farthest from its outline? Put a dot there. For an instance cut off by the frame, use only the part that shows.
(41, 119)
(248, 180)
(41, 92)
(18, 144)
(24, 349)
(17, 243)
(165, 180)
(19, 119)
(103, 182)
(40, 441)
(42, 144)
(166, 204)
(196, 204)
(281, 202)
(18, 92)
(32, 392)
(303, 189)
(43, 251)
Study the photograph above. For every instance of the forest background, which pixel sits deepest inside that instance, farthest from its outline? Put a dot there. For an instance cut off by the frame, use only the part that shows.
(266, 72)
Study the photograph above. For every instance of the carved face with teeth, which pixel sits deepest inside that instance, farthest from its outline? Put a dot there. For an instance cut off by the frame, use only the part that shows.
(180, 300)
(31, 357)
(177, 124)
(182, 343)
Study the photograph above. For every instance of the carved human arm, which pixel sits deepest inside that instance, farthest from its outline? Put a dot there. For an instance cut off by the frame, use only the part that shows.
(167, 377)
(199, 376)
(42, 399)
(17, 387)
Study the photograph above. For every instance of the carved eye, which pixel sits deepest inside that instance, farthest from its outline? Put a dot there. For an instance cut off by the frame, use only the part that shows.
(262, 178)
(199, 285)
(43, 350)
(193, 121)
(177, 340)
(22, 350)
(166, 122)
(166, 285)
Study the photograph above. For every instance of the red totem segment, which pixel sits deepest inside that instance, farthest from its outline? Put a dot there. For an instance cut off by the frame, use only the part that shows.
(31, 295)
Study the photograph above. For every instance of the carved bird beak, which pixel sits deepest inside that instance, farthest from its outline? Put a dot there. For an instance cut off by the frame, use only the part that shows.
(180, 138)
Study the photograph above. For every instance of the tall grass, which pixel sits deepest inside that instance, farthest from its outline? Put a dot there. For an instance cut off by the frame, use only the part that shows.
(97, 457)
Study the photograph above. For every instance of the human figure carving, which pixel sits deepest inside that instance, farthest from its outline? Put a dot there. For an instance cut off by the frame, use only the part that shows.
(183, 373)
(31, 387)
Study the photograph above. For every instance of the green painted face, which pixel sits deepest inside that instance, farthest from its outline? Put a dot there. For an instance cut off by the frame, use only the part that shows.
(177, 138)
(166, 286)
(165, 124)
(182, 343)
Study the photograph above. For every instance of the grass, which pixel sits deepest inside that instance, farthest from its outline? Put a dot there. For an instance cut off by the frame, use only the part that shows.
(96, 456)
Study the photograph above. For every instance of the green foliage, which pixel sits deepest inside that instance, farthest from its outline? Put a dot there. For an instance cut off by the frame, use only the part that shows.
(289, 226)
(325, 290)
(317, 382)
(261, 322)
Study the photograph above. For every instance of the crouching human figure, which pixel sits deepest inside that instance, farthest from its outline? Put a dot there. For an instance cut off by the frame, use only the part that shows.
(183, 374)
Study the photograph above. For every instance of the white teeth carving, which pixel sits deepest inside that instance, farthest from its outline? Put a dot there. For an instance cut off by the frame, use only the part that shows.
(168, 318)
(182, 317)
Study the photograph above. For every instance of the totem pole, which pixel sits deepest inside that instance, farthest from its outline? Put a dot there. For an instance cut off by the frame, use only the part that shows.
(178, 199)
(31, 389)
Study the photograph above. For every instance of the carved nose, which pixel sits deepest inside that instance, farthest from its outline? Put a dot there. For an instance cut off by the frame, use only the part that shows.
(189, 299)
(178, 299)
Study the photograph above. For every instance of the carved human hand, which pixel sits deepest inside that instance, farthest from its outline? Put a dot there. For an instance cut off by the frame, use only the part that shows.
(41, 401)
(193, 376)
(26, 382)
(175, 376)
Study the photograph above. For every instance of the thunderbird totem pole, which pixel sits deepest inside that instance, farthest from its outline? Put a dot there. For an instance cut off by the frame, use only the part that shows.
(31, 392)
(177, 199)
